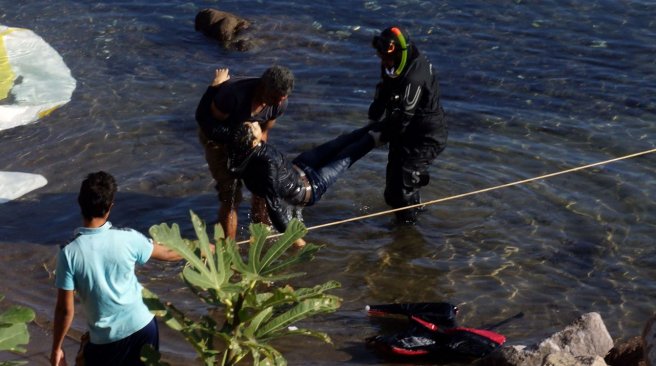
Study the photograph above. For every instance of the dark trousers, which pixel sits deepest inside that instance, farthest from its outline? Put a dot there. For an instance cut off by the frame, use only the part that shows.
(407, 172)
(124, 352)
(324, 163)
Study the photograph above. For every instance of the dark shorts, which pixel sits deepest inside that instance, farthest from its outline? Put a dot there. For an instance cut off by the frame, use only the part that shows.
(216, 156)
(124, 352)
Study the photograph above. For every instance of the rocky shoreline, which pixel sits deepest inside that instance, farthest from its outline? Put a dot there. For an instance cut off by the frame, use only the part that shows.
(584, 342)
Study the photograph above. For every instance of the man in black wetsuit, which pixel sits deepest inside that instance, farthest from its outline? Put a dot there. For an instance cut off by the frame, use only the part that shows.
(226, 106)
(407, 113)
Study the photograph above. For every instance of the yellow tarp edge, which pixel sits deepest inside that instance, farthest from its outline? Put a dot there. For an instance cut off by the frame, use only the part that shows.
(7, 76)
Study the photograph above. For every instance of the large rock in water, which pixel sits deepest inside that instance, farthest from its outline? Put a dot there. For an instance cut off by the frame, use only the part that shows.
(584, 342)
(649, 341)
(224, 27)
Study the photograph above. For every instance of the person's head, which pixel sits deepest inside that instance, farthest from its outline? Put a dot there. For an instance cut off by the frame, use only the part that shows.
(246, 137)
(97, 195)
(392, 46)
(277, 84)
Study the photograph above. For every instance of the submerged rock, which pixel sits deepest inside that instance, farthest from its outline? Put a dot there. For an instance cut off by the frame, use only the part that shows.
(227, 28)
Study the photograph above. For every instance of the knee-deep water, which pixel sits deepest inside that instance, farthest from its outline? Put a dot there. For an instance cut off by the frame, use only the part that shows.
(529, 88)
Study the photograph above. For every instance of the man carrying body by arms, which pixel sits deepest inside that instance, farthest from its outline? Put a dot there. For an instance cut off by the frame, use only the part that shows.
(99, 265)
(225, 107)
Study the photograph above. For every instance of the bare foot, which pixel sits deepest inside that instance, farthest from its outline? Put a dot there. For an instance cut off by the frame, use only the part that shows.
(220, 75)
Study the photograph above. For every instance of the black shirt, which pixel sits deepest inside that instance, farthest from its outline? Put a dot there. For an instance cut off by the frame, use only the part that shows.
(233, 97)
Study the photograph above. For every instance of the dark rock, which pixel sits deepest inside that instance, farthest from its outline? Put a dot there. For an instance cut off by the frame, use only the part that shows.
(629, 352)
(225, 27)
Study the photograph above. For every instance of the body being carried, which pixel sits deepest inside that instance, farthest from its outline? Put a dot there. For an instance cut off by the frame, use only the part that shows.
(286, 185)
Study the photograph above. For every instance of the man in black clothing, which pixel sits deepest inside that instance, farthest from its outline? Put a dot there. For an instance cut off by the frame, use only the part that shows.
(407, 113)
(226, 105)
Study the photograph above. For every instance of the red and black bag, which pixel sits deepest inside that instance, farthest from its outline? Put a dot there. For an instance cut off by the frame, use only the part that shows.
(433, 331)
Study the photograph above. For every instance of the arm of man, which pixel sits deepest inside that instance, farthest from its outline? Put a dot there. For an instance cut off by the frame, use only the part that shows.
(64, 313)
(220, 76)
(162, 253)
(401, 117)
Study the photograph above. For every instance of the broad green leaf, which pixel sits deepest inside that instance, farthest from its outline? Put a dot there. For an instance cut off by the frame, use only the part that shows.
(11, 338)
(303, 293)
(203, 240)
(203, 280)
(223, 259)
(272, 355)
(160, 310)
(255, 308)
(237, 261)
(295, 230)
(280, 295)
(305, 332)
(259, 234)
(17, 314)
(306, 308)
(304, 255)
(170, 237)
(12, 363)
(218, 232)
(257, 321)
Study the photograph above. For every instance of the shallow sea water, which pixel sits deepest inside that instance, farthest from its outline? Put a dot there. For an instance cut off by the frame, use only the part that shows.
(529, 89)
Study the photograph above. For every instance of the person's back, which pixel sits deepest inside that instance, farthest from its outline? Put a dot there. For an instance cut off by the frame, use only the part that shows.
(99, 264)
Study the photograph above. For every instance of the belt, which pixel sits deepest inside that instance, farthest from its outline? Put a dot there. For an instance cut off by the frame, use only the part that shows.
(307, 197)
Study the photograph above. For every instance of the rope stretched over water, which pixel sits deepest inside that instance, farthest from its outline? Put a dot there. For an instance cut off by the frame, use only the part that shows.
(440, 200)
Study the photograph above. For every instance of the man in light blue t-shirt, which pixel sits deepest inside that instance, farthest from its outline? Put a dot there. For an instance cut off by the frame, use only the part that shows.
(99, 265)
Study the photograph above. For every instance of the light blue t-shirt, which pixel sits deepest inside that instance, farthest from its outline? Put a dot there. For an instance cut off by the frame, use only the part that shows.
(99, 265)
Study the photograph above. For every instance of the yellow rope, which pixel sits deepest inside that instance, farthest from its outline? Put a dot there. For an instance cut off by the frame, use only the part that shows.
(523, 181)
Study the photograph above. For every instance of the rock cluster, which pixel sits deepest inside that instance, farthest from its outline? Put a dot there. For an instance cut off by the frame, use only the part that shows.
(585, 342)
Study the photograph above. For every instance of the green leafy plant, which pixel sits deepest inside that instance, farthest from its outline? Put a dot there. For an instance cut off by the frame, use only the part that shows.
(250, 290)
(13, 330)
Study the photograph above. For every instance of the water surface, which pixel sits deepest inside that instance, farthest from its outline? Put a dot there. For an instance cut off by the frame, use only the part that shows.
(529, 89)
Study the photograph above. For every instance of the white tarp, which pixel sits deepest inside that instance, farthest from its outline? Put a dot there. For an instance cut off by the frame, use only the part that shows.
(34, 80)
(16, 184)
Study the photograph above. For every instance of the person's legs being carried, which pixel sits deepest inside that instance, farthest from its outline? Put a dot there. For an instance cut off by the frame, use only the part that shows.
(329, 160)
(323, 154)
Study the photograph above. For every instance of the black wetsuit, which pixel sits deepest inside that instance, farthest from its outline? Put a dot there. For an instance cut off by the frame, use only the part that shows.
(413, 122)
(288, 186)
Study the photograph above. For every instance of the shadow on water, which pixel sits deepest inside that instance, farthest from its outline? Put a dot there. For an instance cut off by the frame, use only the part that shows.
(50, 219)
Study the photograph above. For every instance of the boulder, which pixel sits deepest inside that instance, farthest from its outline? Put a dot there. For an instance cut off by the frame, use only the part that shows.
(224, 27)
(566, 359)
(629, 352)
(586, 337)
(649, 342)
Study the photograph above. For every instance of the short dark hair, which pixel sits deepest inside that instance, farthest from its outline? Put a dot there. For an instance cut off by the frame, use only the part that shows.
(242, 140)
(96, 195)
(278, 79)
